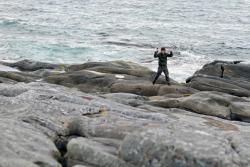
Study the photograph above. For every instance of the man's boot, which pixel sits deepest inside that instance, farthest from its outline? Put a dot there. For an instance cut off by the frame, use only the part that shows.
(156, 77)
(168, 81)
(154, 81)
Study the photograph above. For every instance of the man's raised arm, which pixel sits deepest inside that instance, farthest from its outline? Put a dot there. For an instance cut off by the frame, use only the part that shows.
(170, 54)
(156, 53)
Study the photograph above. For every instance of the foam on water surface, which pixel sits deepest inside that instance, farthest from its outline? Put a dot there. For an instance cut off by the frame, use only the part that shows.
(66, 31)
(6, 68)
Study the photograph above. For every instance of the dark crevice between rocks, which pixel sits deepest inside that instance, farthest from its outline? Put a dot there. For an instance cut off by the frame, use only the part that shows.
(237, 117)
(222, 71)
(41, 164)
(233, 145)
(61, 143)
(232, 116)
(217, 116)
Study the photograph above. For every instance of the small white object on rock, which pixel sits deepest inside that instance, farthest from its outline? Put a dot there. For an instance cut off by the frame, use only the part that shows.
(119, 76)
(202, 133)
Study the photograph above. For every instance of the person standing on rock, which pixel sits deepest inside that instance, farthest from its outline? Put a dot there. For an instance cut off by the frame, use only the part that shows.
(162, 64)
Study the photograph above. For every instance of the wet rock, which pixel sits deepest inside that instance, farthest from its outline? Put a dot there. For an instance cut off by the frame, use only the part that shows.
(6, 80)
(11, 75)
(46, 72)
(18, 77)
(241, 111)
(136, 88)
(235, 79)
(87, 81)
(115, 77)
(28, 65)
(114, 67)
(232, 69)
(208, 83)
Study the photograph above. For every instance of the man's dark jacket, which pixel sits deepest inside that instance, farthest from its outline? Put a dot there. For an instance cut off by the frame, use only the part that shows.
(163, 58)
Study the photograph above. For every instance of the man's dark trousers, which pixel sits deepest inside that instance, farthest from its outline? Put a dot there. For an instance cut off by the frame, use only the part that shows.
(161, 69)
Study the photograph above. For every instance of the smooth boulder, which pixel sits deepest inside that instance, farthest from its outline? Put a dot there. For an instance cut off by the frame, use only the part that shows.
(228, 77)
(29, 65)
(115, 77)
(209, 103)
(13, 77)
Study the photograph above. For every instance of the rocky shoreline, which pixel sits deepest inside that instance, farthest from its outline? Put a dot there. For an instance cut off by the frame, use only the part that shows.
(108, 114)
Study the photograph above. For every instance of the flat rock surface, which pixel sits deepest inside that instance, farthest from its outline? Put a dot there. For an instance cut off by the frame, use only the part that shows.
(35, 116)
(109, 114)
(210, 103)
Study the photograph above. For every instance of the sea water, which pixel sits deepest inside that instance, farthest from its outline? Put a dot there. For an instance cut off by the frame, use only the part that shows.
(78, 31)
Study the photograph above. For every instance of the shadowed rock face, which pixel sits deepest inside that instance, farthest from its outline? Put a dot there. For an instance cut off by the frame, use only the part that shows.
(28, 65)
(114, 76)
(235, 81)
(13, 77)
(6, 80)
(110, 115)
(114, 67)
(27, 71)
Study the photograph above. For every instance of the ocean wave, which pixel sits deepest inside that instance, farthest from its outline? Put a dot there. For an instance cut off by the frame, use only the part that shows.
(242, 48)
(126, 44)
(62, 30)
(190, 54)
(8, 22)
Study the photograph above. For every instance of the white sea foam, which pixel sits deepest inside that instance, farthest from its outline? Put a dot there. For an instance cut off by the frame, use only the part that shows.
(6, 68)
(78, 31)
